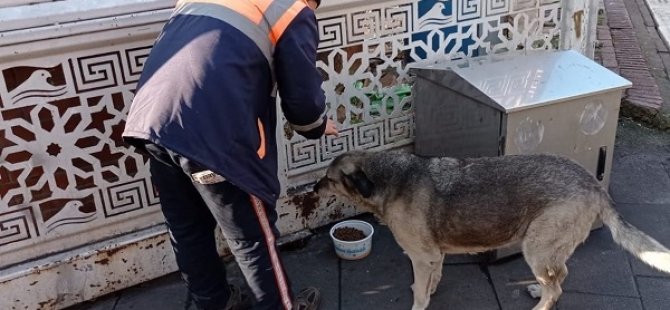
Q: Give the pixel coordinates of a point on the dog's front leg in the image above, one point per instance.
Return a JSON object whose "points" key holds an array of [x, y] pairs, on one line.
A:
{"points": [[422, 274], [424, 266], [436, 275]]}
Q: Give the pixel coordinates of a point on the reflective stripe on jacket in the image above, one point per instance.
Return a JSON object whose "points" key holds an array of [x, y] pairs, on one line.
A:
{"points": [[207, 90]]}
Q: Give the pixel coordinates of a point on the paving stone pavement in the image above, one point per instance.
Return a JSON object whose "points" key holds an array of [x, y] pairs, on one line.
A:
{"points": [[633, 42]]}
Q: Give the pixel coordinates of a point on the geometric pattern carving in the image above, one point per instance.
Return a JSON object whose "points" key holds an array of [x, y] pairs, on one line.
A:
{"points": [[497, 7], [133, 62], [17, 225], [469, 9], [357, 26], [106, 70], [128, 197], [96, 71], [63, 164], [332, 31], [366, 52]]}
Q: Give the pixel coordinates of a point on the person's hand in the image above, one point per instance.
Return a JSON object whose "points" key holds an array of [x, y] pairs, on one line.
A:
{"points": [[331, 128]]}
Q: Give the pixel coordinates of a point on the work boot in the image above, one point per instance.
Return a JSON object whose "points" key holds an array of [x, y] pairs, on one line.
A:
{"points": [[307, 299], [238, 300]]}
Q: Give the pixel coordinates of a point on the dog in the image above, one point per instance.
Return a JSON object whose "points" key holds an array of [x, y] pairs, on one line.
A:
{"points": [[438, 206]]}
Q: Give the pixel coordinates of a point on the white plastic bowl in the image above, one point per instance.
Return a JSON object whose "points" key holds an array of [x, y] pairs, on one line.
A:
{"points": [[353, 250]]}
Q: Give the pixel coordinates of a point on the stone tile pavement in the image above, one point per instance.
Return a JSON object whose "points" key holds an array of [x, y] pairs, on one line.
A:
{"points": [[633, 42]]}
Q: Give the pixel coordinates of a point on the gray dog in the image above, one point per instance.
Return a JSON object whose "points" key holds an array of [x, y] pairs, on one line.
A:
{"points": [[438, 206]]}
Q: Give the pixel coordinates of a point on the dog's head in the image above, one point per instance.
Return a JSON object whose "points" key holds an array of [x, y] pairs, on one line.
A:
{"points": [[345, 177]]}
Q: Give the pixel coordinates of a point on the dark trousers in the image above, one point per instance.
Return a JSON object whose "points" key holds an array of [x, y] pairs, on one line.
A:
{"points": [[192, 212]]}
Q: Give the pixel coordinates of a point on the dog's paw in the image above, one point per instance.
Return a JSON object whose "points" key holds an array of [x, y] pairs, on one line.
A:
{"points": [[535, 290]]}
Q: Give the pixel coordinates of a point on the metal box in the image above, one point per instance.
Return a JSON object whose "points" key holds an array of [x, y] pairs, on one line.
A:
{"points": [[550, 102]]}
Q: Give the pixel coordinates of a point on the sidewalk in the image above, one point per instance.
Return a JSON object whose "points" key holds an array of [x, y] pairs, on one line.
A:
{"points": [[602, 276], [634, 43]]}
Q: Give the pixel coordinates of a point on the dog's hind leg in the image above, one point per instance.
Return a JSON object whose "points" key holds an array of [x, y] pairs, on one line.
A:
{"points": [[424, 266], [549, 281], [549, 270], [549, 241]]}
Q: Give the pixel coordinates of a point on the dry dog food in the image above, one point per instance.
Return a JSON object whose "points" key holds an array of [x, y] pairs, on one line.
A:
{"points": [[348, 234]]}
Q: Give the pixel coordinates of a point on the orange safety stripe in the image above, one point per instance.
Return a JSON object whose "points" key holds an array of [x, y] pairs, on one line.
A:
{"points": [[255, 10], [280, 26], [262, 5], [261, 148], [244, 8]]}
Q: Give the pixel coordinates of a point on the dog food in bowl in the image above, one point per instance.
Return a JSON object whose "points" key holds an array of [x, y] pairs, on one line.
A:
{"points": [[352, 239], [348, 234]]}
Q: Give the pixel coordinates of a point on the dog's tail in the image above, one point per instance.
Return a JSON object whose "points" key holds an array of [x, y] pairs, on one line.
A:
{"points": [[635, 241]]}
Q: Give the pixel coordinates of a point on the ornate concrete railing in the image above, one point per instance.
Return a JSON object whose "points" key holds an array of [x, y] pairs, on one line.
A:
{"points": [[78, 214]]}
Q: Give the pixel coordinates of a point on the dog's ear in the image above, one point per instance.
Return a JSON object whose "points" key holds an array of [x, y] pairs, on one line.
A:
{"points": [[360, 182]]}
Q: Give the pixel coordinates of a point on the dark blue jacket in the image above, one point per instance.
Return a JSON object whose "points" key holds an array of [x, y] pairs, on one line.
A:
{"points": [[207, 90]]}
